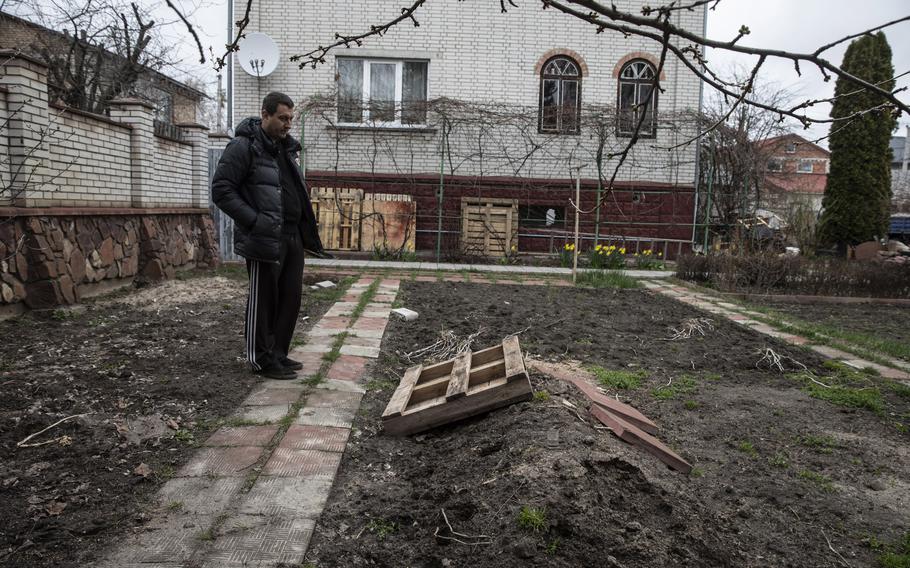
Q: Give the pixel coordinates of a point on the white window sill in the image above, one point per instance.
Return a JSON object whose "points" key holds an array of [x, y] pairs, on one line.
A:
{"points": [[380, 128]]}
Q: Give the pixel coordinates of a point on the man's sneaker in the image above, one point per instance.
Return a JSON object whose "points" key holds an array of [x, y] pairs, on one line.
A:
{"points": [[321, 253], [277, 372], [289, 363]]}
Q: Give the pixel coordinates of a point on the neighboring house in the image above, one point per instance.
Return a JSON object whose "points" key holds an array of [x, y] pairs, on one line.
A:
{"points": [[174, 101], [796, 174], [900, 173], [478, 118]]}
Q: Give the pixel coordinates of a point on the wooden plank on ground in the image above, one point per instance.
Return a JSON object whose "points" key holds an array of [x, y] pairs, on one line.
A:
{"points": [[402, 394], [461, 371], [580, 378], [511, 353], [640, 438], [483, 401]]}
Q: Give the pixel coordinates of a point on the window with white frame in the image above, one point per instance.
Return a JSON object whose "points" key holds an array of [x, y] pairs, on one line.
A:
{"points": [[637, 99], [804, 167], [790, 148], [381, 92]]}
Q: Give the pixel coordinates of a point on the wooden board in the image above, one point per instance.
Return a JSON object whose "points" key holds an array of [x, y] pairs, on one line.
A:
{"points": [[469, 384], [638, 437], [489, 226], [338, 213]]}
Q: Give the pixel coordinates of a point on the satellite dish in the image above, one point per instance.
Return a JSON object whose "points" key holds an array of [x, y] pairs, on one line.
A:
{"points": [[258, 54]]}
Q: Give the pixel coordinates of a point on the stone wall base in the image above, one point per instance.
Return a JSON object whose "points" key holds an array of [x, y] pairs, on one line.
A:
{"points": [[49, 259]]}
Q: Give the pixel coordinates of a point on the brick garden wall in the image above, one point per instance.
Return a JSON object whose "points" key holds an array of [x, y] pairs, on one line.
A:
{"points": [[90, 202]]}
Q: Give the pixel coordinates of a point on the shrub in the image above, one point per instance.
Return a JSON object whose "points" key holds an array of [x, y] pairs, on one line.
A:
{"points": [[773, 274]]}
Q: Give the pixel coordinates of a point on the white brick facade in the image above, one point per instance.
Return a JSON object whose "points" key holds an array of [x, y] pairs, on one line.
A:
{"points": [[478, 55]]}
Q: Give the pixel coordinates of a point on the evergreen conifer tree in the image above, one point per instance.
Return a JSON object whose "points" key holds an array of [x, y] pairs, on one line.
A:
{"points": [[858, 194]]}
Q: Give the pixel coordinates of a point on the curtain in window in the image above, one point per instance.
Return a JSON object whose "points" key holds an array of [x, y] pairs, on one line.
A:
{"points": [[382, 92], [414, 92], [560, 96], [350, 90], [636, 100]]}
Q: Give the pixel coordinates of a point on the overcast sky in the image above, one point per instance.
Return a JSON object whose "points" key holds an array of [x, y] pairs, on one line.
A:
{"points": [[792, 25]]}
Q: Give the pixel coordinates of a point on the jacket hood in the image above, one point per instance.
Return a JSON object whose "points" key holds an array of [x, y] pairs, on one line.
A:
{"points": [[252, 128]]}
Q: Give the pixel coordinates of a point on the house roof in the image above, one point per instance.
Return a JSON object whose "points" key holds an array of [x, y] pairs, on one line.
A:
{"points": [[195, 93], [779, 140], [797, 183]]}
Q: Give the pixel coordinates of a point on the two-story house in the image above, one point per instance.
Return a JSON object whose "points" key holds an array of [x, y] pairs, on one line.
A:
{"points": [[796, 174], [482, 121]]}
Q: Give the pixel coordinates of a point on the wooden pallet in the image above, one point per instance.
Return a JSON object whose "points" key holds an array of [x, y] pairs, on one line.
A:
{"points": [[470, 384]]}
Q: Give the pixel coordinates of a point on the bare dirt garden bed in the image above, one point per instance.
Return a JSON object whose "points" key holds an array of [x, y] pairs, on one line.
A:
{"points": [[139, 377], [781, 478]]}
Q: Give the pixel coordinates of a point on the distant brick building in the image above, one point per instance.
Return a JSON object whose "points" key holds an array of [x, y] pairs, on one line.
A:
{"points": [[796, 173], [900, 173], [174, 102], [477, 113]]}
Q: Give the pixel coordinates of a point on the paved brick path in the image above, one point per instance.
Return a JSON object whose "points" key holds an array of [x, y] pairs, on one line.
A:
{"points": [[251, 496], [896, 370]]}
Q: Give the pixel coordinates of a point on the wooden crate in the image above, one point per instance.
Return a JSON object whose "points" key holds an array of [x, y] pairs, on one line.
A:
{"points": [[489, 226], [338, 216], [470, 384]]}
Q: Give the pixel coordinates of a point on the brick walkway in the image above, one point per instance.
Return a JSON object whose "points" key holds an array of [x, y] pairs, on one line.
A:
{"points": [[251, 496], [739, 314]]}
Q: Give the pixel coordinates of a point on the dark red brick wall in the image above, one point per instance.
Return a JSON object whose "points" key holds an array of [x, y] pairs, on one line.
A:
{"points": [[645, 210]]}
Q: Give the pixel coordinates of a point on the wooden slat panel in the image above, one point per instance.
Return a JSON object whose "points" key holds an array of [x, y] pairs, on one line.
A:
{"points": [[429, 389], [511, 353], [490, 371], [487, 355], [399, 400], [437, 414], [458, 385], [435, 371]]}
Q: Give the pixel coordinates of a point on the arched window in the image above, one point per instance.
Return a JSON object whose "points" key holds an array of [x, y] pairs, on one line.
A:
{"points": [[560, 95], [637, 99]]}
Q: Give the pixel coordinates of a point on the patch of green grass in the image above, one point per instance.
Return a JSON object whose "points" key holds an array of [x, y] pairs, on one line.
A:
{"points": [[747, 448], [823, 482], [900, 389], [779, 461], [541, 396], [896, 555], [166, 472], [64, 314], [297, 341], [824, 444], [863, 344], [691, 404], [531, 519], [712, 376], [624, 380], [207, 535], [604, 279], [175, 506], [185, 436], [381, 384], [365, 299], [382, 528], [846, 387], [314, 380], [552, 546], [697, 472], [869, 398], [683, 385], [236, 422]]}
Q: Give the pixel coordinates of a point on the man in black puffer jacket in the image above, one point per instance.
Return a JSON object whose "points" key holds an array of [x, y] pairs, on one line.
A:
{"points": [[258, 185]]}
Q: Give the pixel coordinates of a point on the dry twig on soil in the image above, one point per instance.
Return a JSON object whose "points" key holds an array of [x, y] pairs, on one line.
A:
{"points": [[774, 360], [690, 327], [446, 347], [475, 539], [842, 559], [64, 440]]}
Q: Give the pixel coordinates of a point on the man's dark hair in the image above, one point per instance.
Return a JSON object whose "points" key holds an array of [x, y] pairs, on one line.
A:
{"points": [[272, 100]]}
